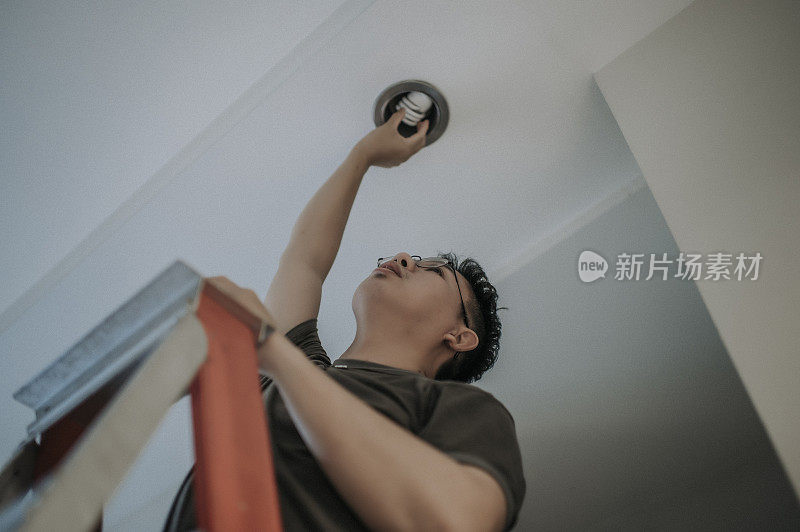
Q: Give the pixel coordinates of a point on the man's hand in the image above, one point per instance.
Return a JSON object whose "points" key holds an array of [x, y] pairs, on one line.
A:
{"points": [[386, 147], [243, 296]]}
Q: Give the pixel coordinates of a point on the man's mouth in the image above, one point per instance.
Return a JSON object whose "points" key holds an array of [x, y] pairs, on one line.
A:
{"points": [[387, 270]]}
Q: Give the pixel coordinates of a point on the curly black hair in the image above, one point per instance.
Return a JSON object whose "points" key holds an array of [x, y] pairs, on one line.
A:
{"points": [[469, 366]]}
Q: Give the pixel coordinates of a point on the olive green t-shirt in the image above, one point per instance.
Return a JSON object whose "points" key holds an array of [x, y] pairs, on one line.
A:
{"points": [[462, 420]]}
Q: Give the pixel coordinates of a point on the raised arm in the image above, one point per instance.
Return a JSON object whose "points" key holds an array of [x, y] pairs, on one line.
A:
{"points": [[295, 292]]}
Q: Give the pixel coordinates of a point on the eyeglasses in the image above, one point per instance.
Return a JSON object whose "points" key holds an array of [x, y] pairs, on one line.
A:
{"points": [[435, 262]]}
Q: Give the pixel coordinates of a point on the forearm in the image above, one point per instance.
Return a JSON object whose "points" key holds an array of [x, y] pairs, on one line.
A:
{"points": [[391, 478], [317, 234]]}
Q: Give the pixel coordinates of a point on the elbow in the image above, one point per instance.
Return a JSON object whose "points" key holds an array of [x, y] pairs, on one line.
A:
{"points": [[465, 524], [442, 523], [450, 523], [422, 514], [455, 519], [466, 519]]}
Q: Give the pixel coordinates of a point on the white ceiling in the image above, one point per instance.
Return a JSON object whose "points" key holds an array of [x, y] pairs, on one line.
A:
{"points": [[101, 100], [97, 97], [136, 135]]}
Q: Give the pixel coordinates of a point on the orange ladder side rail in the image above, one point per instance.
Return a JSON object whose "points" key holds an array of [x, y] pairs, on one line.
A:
{"points": [[235, 484]]}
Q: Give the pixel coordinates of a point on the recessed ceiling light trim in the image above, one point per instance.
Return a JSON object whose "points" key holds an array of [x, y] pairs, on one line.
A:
{"points": [[387, 102]]}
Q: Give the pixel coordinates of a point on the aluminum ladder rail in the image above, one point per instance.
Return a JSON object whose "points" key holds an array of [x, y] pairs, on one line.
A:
{"points": [[98, 404]]}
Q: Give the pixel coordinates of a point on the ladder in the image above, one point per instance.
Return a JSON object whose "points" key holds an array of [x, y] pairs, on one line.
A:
{"points": [[98, 404]]}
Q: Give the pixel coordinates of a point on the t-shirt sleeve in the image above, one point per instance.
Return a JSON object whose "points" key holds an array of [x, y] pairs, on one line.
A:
{"points": [[473, 427], [305, 336]]}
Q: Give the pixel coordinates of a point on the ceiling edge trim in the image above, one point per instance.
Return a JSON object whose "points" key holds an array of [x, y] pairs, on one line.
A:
{"points": [[542, 244], [218, 128]]}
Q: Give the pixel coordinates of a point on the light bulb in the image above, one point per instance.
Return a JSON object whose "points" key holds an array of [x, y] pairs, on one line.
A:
{"points": [[416, 105]]}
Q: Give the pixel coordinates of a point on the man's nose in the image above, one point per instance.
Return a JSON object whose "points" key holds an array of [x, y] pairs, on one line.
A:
{"points": [[405, 260]]}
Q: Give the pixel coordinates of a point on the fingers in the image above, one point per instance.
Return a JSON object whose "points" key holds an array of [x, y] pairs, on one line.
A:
{"points": [[246, 297], [399, 114], [419, 136], [219, 280]]}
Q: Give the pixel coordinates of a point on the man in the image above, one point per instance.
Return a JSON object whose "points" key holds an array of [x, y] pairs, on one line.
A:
{"points": [[391, 436]]}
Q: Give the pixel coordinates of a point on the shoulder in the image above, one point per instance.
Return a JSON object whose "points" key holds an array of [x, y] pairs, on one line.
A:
{"points": [[305, 335], [475, 428], [470, 396], [302, 329]]}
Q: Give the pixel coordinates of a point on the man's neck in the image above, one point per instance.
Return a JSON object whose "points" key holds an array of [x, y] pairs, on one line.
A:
{"points": [[392, 354]]}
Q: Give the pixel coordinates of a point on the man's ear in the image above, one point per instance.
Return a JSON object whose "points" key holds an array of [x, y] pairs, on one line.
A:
{"points": [[463, 339]]}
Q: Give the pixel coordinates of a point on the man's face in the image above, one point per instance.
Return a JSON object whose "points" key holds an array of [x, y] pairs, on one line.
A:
{"points": [[418, 296]]}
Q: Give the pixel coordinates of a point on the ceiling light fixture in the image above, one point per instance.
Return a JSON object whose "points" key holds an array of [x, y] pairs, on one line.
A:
{"points": [[421, 100]]}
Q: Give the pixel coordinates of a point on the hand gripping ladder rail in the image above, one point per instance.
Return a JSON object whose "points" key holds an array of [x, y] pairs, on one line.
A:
{"points": [[97, 405]]}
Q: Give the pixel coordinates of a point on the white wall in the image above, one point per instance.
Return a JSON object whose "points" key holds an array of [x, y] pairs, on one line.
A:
{"points": [[627, 406], [744, 498], [710, 106]]}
